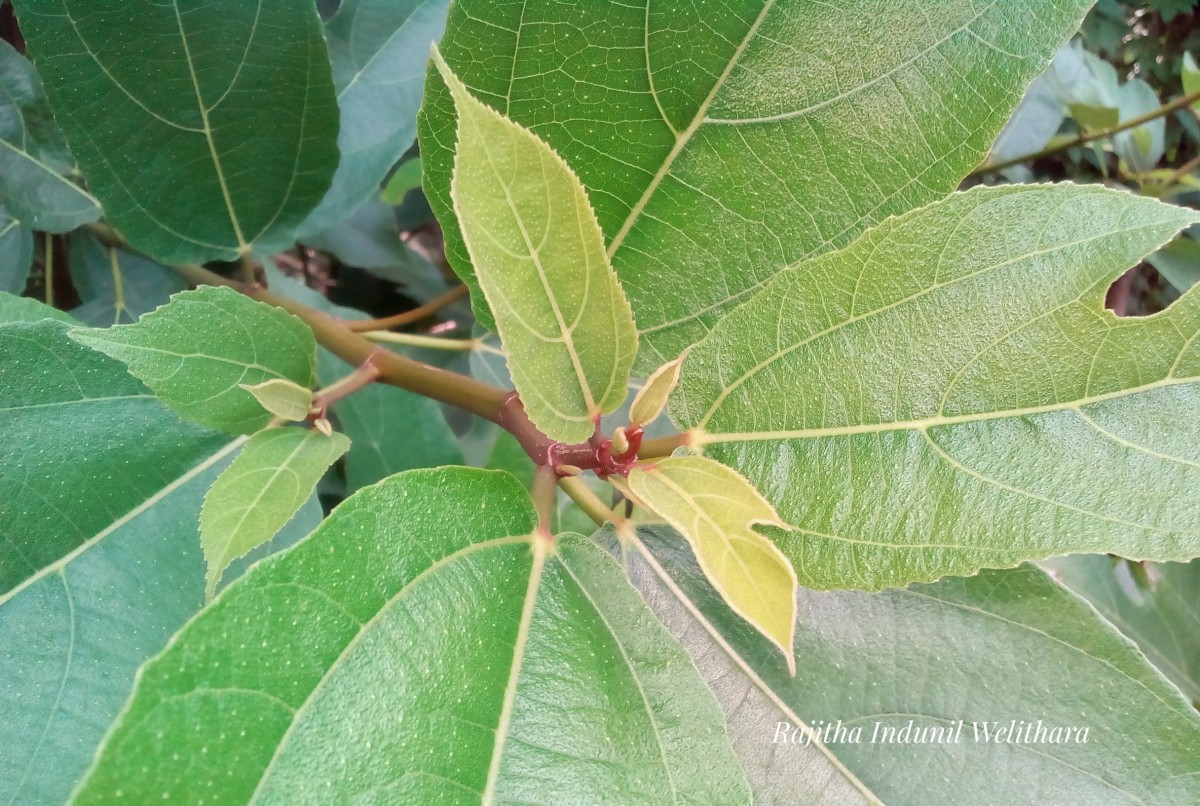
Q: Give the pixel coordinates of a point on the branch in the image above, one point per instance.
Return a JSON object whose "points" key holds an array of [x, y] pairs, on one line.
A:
{"points": [[408, 317], [1085, 138], [588, 501]]}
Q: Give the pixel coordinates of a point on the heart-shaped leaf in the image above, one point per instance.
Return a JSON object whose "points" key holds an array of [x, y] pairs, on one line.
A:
{"points": [[226, 106], [933, 694], [423, 646], [949, 394], [721, 143]]}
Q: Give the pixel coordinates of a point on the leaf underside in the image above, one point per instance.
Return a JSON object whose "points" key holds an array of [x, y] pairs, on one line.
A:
{"points": [[567, 329], [957, 396], [689, 124]]}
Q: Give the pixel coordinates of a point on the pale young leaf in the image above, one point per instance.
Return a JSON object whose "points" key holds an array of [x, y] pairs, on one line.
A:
{"points": [[651, 399], [562, 316], [715, 508], [260, 491], [283, 398]]}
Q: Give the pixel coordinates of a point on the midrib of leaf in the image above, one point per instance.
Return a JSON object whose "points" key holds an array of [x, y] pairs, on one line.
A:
{"points": [[540, 549], [365, 628], [207, 130], [744, 666], [66, 559], [681, 140], [80, 401], [204, 357], [779, 353], [568, 339], [701, 437]]}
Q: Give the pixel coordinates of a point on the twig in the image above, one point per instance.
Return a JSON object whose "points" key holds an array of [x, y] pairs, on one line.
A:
{"points": [[1088, 137], [408, 317], [415, 340], [48, 266], [588, 501], [542, 493]]}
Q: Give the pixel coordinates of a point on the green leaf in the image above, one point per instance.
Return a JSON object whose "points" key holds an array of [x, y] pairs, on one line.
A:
{"points": [[406, 177], [283, 398], [34, 161], [566, 327], [260, 491], [721, 143], [76, 421], [1000, 647], [948, 393], [651, 399], [379, 50], [75, 634], [116, 288], [1142, 146], [203, 128], [494, 670], [100, 558], [1178, 262], [197, 351], [715, 508], [23, 309], [16, 254], [1160, 614], [1189, 75], [1095, 118]]}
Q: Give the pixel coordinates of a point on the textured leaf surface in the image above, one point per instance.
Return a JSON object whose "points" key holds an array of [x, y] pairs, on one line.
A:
{"points": [[378, 50], [231, 102], [948, 393], [999, 647], [330, 697], [715, 509], [74, 420], [34, 161], [195, 353], [560, 312], [1160, 613], [72, 638], [262, 489], [16, 253], [722, 142]]}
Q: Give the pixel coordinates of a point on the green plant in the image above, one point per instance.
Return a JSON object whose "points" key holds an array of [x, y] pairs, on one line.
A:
{"points": [[810, 580]]}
